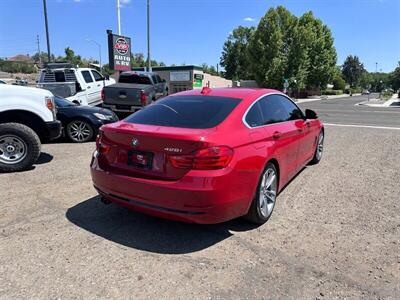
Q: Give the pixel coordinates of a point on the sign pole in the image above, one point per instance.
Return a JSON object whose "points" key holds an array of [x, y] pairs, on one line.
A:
{"points": [[119, 17]]}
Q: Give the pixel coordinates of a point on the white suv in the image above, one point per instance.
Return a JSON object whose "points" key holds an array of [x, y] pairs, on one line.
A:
{"points": [[26, 116]]}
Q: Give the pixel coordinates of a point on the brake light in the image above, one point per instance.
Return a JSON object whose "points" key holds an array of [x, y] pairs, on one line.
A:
{"points": [[102, 94], [102, 147], [143, 98], [205, 159]]}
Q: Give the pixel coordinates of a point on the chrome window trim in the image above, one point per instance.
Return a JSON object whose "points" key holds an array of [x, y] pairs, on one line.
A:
{"points": [[258, 99]]}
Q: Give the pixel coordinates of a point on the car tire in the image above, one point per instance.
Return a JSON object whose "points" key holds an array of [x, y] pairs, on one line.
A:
{"points": [[318, 149], [79, 131], [263, 204], [19, 147]]}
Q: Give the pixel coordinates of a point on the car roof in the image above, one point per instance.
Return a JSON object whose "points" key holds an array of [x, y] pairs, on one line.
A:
{"points": [[241, 93]]}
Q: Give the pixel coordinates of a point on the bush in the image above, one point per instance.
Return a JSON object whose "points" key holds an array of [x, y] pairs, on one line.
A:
{"points": [[339, 83], [332, 92], [353, 91]]}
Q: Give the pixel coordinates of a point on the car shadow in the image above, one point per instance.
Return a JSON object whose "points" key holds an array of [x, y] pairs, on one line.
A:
{"points": [[44, 158], [147, 233]]}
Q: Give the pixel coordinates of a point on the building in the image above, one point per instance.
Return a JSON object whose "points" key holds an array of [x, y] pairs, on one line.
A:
{"points": [[183, 78]]}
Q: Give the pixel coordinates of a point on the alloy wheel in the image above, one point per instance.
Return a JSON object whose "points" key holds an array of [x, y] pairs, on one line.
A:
{"points": [[320, 146], [268, 191], [79, 131]]}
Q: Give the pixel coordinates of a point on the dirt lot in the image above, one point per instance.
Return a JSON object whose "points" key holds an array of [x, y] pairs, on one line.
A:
{"points": [[335, 233]]}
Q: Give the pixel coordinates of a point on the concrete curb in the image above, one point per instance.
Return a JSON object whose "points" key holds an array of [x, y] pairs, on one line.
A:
{"points": [[387, 103]]}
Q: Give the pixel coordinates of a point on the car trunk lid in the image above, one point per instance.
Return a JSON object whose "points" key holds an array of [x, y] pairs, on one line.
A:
{"points": [[143, 150]]}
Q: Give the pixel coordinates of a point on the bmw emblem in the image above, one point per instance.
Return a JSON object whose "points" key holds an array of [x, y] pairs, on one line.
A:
{"points": [[135, 142]]}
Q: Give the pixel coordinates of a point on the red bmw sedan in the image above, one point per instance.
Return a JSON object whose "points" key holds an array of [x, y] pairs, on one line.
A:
{"points": [[207, 156]]}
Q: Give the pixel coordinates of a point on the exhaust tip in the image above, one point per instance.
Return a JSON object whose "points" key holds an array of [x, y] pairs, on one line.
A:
{"points": [[104, 200]]}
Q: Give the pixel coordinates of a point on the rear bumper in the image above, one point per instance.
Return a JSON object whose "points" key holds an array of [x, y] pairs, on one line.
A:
{"points": [[122, 108], [191, 199], [52, 130]]}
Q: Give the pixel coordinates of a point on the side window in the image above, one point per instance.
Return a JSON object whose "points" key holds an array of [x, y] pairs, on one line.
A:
{"points": [[273, 110], [293, 111], [97, 76], [154, 78], [86, 75], [254, 117], [158, 78]]}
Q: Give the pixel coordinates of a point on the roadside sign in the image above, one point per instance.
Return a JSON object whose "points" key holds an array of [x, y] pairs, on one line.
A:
{"points": [[286, 84], [179, 76], [119, 52]]}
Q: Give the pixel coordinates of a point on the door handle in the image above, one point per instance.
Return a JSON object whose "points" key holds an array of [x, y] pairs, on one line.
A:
{"points": [[98, 85], [277, 135], [88, 87]]}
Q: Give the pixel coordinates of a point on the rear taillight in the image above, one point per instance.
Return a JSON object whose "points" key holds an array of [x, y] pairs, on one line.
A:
{"points": [[205, 159], [102, 147], [143, 98], [102, 94]]}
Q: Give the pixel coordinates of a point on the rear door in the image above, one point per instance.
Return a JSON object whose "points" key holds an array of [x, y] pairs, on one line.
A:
{"points": [[157, 86], [284, 132]]}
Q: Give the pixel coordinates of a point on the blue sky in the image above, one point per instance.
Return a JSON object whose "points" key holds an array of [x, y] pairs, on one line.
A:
{"points": [[193, 31]]}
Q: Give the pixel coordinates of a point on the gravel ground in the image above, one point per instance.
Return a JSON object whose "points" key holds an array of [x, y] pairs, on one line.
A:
{"points": [[335, 234]]}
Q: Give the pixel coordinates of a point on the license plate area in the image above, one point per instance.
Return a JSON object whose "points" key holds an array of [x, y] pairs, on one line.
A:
{"points": [[140, 159]]}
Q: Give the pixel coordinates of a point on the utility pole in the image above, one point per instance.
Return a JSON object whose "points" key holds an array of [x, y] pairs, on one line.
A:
{"points": [[148, 37], [119, 17], [47, 31], [38, 48], [376, 67]]}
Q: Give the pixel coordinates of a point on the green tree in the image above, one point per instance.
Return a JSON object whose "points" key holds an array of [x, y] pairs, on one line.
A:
{"points": [[70, 57], [394, 79], [235, 58], [269, 47], [321, 53], [338, 81], [298, 49], [42, 57], [352, 70], [209, 69]]}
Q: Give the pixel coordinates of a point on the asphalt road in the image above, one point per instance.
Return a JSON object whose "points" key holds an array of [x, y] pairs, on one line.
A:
{"points": [[344, 111], [334, 234]]}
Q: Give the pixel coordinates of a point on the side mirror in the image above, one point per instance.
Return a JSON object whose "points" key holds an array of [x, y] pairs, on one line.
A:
{"points": [[163, 80], [310, 114], [107, 77]]}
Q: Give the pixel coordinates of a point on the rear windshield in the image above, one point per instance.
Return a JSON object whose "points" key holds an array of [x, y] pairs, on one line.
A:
{"points": [[186, 112], [134, 78]]}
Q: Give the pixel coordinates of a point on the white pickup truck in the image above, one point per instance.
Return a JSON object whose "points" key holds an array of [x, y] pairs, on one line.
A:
{"points": [[26, 116], [79, 85]]}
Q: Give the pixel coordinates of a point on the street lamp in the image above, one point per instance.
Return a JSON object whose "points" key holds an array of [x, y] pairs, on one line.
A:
{"points": [[98, 45]]}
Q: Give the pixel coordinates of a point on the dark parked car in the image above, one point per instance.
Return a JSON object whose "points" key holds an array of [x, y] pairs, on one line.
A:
{"points": [[81, 123]]}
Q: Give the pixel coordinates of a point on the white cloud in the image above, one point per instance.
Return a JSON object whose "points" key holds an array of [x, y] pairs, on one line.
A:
{"points": [[249, 19]]}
